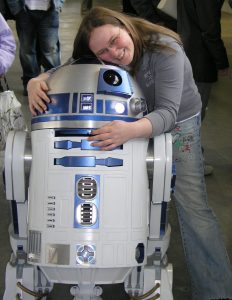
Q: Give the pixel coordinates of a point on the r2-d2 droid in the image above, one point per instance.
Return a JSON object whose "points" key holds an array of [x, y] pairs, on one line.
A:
{"points": [[86, 216]]}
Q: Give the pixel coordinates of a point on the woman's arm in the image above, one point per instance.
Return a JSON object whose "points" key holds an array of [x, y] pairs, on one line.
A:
{"points": [[37, 93], [117, 133], [161, 79], [37, 90]]}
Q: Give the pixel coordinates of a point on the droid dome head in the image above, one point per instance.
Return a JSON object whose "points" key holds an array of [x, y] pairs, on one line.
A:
{"points": [[87, 94]]}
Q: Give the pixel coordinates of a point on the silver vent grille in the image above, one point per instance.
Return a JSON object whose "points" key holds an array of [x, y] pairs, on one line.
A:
{"points": [[87, 188], [86, 214], [34, 246]]}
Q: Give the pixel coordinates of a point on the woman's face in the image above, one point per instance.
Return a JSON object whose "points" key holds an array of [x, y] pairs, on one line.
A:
{"points": [[112, 43]]}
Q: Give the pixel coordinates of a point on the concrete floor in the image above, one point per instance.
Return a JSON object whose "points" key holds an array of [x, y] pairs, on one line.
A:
{"points": [[216, 136]]}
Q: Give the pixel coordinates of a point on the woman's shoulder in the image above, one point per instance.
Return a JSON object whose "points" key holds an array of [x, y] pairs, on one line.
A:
{"points": [[171, 54], [170, 41]]}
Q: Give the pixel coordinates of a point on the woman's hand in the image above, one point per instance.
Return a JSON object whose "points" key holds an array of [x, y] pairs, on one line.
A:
{"points": [[117, 133], [37, 94], [111, 135]]}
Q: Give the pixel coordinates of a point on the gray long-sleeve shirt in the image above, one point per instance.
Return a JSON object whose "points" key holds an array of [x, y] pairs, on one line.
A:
{"points": [[167, 83]]}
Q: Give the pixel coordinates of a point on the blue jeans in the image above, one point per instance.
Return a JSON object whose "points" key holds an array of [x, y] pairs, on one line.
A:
{"points": [[39, 41], [206, 256]]}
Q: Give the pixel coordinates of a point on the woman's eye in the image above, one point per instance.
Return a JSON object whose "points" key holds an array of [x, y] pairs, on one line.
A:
{"points": [[102, 52], [113, 41]]}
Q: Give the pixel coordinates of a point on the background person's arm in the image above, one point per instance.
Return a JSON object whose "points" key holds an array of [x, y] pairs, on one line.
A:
{"points": [[7, 46]]}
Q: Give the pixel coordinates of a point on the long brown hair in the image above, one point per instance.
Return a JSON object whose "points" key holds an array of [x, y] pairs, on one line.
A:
{"points": [[145, 35]]}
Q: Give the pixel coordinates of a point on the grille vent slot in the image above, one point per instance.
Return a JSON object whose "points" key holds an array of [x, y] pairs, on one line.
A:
{"points": [[34, 246], [87, 188], [86, 214]]}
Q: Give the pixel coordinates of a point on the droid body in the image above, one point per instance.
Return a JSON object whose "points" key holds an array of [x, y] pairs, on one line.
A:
{"points": [[89, 211]]}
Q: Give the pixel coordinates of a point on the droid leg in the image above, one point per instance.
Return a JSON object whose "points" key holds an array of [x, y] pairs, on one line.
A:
{"points": [[23, 281], [86, 292], [158, 270], [158, 282], [154, 281], [150, 282]]}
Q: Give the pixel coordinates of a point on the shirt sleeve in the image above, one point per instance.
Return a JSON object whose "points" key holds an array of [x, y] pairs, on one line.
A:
{"points": [[168, 73], [7, 46]]}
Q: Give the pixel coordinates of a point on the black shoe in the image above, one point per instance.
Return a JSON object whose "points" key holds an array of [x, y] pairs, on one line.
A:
{"points": [[208, 170]]}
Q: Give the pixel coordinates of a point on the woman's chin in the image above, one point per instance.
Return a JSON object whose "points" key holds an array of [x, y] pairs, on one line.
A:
{"points": [[126, 60]]}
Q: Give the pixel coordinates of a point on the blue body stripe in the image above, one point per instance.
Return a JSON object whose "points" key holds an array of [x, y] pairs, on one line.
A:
{"points": [[80, 118]]}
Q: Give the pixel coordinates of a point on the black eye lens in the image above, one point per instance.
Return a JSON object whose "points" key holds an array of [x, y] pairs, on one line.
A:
{"points": [[112, 78]]}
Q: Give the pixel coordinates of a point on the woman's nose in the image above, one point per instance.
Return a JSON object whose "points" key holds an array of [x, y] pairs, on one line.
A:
{"points": [[113, 51]]}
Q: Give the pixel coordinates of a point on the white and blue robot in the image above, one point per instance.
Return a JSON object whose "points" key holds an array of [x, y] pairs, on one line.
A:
{"points": [[82, 216]]}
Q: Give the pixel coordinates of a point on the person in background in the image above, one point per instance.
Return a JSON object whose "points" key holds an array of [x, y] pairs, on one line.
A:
{"points": [[156, 57], [37, 25], [7, 47], [86, 5], [127, 8], [147, 9], [199, 25]]}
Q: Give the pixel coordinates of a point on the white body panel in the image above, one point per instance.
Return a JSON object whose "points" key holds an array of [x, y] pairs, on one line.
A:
{"points": [[122, 213]]}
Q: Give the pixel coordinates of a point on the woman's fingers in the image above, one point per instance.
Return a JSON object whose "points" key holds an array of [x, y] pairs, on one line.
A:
{"points": [[37, 96]]}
